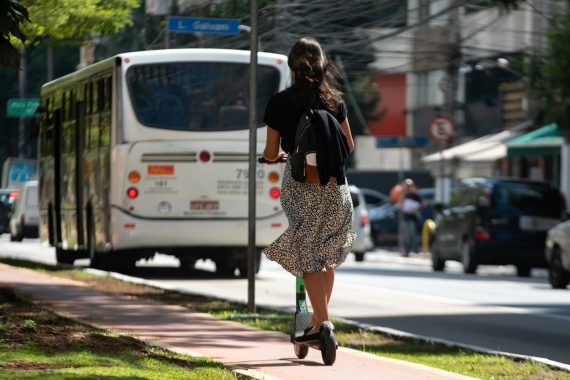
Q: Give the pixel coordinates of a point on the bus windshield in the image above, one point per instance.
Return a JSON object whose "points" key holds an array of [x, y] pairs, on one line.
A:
{"points": [[198, 96]]}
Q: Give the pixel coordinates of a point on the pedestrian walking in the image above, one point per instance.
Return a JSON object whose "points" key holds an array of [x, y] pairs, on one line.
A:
{"points": [[410, 205], [319, 210]]}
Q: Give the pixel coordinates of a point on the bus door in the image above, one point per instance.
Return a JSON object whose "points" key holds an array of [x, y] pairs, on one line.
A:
{"points": [[56, 218], [79, 171]]}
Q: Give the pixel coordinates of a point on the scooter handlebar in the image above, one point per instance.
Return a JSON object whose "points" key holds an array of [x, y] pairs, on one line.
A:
{"points": [[262, 160]]}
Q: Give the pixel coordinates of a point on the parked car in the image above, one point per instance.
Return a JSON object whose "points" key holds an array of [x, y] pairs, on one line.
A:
{"points": [[25, 218], [558, 254], [374, 198], [497, 222], [384, 219], [7, 200], [360, 224]]}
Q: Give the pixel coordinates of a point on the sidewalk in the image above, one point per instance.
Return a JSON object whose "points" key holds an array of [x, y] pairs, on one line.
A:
{"points": [[257, 353]]}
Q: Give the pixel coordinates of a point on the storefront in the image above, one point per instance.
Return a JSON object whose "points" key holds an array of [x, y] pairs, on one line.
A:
{"points": [[536, 154]]}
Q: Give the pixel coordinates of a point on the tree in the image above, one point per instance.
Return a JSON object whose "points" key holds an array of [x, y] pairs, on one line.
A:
{"points": [[12, 14], [548, 76], [76, 21]]}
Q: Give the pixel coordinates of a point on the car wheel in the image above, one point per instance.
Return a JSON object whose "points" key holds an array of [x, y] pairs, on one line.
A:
{"points": [[437, 263], [557, 275], [359, 256], [523, 270], [468, 258]]}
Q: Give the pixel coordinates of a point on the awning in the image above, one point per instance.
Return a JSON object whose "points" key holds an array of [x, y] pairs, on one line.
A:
{"points": [[487, 148], [545, 141]]}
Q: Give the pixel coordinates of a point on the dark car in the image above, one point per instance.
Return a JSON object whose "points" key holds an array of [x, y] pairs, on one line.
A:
{"points": [[384, 219], [497, 222], [7, 200]]}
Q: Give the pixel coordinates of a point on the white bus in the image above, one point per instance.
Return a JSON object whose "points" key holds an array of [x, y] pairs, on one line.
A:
{"points": [[147, 152]]}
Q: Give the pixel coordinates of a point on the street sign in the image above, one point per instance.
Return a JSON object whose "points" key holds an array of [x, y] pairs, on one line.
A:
{"points": [[203, 25], [441, 129], [20, 107], [401, 141]]}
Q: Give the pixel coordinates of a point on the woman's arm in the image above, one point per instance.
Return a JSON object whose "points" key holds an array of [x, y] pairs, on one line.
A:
{"points": [[271, 151], [346, 129]]}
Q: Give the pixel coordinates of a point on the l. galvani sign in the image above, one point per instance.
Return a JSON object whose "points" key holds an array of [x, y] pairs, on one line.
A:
{"points": [[441, 128]]}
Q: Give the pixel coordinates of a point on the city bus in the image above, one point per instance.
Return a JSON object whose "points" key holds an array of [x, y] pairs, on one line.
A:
{"points": [[147, 152]]}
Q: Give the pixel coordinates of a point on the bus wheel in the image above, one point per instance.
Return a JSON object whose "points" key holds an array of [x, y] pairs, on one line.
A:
{"points": [[64, 256], [226, 267], [187, 263], [96, 261], [242, 266]]}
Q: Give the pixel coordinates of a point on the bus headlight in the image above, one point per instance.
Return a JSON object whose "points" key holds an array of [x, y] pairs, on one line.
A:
{"points": [[134, 176], [273, 177], [274, 192], [132, 192]]}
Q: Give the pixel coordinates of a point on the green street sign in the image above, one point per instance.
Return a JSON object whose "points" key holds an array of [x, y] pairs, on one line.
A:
{"points": [[20, 107]]}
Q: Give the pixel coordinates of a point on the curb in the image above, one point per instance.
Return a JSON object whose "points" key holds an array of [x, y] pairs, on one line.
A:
{"points": [[384, 330]]}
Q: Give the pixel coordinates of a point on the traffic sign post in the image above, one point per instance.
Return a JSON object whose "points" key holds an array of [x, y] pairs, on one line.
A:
{"points": [[22, 107], [441, 129]]}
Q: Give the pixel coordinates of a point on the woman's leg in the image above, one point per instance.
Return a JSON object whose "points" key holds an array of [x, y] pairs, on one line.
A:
{"points": [[316, 285], [329, 280]]}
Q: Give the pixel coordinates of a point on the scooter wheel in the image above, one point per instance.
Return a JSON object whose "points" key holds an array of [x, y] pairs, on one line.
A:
{"points": [[301, 350], [328, 346]]}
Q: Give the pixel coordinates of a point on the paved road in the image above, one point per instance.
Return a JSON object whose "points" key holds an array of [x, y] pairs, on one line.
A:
{"points": [[495, 309]]}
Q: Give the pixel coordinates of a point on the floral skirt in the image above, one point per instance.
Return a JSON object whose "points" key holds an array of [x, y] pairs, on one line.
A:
{"points": [[320, 226]]}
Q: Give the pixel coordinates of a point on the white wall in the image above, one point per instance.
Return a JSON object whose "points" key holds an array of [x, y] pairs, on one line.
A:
{"points": [[367, 156]]}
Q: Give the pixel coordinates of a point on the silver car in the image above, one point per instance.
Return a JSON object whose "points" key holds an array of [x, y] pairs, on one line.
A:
{"points": [[558, 255], [360, 224]]}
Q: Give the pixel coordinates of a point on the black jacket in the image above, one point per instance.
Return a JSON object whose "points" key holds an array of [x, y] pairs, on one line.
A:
{"points": [[332, 148]]}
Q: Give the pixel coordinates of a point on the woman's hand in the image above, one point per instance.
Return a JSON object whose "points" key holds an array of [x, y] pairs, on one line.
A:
{"points": [[281, 155]]}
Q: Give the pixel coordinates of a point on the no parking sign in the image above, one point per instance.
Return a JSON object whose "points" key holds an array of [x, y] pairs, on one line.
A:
{"points": [[441, 128]]}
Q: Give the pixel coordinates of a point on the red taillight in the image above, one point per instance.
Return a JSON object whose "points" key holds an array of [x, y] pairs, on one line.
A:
{"points": [[132, 192], [363, 220], [204, 156], [274, 192], [481, 234], [14, 195]]}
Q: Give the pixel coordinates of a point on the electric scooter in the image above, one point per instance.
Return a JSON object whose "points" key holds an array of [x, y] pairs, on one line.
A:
{"points": [[326, 342]]}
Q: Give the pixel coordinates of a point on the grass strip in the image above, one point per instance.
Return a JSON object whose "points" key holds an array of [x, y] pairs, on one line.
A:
{"points": [[453, 359], [38, 344]]}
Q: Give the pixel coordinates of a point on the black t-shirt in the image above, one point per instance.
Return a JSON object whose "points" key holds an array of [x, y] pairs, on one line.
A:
{"points": [[283, 112]]}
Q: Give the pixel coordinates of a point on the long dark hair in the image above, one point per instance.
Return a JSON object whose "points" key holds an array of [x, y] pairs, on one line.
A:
{"points": [[314, 75]]}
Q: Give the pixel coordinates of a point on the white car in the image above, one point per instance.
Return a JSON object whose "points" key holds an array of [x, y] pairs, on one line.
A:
{"points": [[25, 218], [360, 224], [558, 255]]}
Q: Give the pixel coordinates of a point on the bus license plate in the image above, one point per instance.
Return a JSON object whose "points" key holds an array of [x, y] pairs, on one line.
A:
{"points": [[204, 205]]}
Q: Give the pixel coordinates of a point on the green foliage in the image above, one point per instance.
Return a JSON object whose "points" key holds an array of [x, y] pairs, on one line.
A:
{"points": [[547, 73], [29, 324], [12, 14], [507, 5], [76, 21]]}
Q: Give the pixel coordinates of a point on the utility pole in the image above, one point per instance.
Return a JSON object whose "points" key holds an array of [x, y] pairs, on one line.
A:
{"points": [[22, 74], [449, 87], [252, 187]]}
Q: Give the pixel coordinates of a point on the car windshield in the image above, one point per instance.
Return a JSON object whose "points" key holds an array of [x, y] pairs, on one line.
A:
{"points": [[198, 96], [528, 198]]}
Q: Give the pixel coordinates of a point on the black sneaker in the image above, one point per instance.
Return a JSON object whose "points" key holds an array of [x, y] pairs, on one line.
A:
{"points": [[306, 337]]}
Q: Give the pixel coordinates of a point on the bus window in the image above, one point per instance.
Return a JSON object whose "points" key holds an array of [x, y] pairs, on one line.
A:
{"points": [[198, 96]]}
